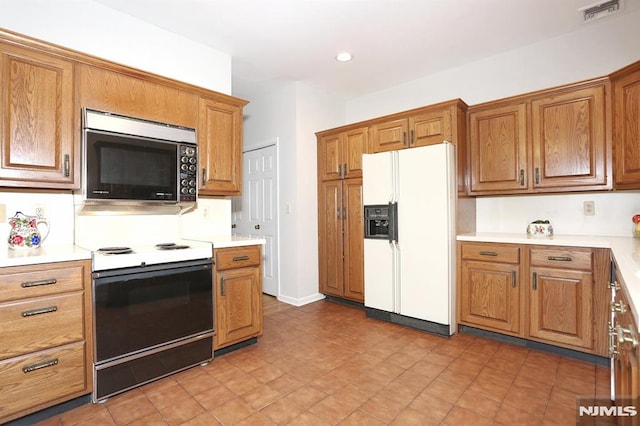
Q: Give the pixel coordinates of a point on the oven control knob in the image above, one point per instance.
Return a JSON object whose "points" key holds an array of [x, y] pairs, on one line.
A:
{"points": [[184, 191], [192, 191], [184, 167]]}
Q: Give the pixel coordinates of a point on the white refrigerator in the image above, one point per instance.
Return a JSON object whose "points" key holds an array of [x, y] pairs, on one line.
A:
{"points": [[411, 280]]}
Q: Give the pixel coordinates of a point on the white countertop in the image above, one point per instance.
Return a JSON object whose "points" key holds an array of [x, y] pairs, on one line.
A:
{"points": [[625, 250], [42, 254], [222, 241]]}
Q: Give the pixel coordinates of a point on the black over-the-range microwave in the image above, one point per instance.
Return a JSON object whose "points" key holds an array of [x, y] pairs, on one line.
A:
{"points": [[129, 160]]}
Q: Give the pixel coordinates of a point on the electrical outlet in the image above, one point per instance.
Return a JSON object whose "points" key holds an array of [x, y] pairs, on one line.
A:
{"points": [[40, 211], [589, 208]]}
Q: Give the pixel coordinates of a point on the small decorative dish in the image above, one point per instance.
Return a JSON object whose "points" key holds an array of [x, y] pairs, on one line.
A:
{"points": [[540, 228]]}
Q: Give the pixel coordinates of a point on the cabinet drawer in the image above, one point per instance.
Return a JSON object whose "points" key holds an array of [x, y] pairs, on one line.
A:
{"points": [[23, 282], [237, 257], [491, 252], [40, 379], [24, 324], [562, 257]]}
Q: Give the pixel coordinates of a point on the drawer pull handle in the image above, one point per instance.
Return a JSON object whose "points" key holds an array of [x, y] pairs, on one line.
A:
{"points": [[240, 258], [27, 284], [33, 312], [618, 307], [513, 279], [67, 167], [627, 335], [521, 177], [560, 258], [223, 286], [534, 285], [38, 365], [488, 253]]}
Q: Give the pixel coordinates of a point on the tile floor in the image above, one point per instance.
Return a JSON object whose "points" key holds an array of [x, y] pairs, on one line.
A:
{"points": [[327, 364]]}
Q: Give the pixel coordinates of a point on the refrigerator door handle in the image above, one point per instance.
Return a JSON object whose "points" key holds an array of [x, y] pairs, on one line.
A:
{"points": [[393, 222]]}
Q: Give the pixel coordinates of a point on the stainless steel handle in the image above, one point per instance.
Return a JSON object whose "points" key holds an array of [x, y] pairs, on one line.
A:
{"points": [[521, 177], [488, 253], [534, 280], [256, 227], [67, 167], [560, 258], [223, 286], [39, 311], [240, 258], [626, 335], [513, 279], [618, 307], [38, 365], [27, 284], [537, 175], [204, 176]]}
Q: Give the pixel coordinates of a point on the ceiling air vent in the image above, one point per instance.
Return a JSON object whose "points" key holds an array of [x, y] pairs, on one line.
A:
{"points": [[600, 10]]}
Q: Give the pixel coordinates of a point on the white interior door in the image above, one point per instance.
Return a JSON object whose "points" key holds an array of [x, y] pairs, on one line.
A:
{"points": [[254, 213]]}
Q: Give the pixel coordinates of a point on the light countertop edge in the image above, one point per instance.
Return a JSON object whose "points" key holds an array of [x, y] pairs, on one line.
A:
{"points": [[42, 254], [225, 241], [625, 251]]}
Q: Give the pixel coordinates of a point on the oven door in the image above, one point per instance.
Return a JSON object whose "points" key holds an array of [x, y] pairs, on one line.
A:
{"points": [[142, 308]]}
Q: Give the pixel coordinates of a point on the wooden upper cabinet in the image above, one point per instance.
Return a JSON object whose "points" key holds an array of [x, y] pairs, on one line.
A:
{"points": [[220, 148], [556, 140], [390, 135], [569, 139], [340, 154], [626, 127], [122, 92], [498, 149], [40, 148]]}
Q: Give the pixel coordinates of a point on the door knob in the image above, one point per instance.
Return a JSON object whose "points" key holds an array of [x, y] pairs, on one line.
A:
{"points": [[257, 227]]}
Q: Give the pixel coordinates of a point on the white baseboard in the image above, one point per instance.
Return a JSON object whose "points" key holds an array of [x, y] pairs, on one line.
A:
{"points": [[303, 301]]}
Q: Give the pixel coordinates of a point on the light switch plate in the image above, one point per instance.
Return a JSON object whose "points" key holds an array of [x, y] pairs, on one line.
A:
{"points": [[3, 213]]}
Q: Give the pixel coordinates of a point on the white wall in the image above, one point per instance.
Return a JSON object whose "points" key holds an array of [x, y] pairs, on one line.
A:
{"points": [[92, 28], [291, 114], [598, 49]]}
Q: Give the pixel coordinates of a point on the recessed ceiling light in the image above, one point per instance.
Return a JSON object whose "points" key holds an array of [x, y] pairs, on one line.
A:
{"points": [[344, 57]]}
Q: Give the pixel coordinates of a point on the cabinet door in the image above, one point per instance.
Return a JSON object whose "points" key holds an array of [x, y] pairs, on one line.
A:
{"points": [[354, 144], [238, 295], [330, 237], [430, 128], [220, 148], [498, 149], [389, 135], [569, 139], [490, 296], [330, 157], [38, 138], [353, 240], [560, 307], [626, 131]]}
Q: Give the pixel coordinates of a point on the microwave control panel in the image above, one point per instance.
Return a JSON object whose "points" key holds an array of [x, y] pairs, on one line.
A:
{"points": [[188, 172]]}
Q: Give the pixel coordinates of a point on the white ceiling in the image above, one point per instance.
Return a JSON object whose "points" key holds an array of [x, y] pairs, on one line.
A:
{"points": [[392, 41]]}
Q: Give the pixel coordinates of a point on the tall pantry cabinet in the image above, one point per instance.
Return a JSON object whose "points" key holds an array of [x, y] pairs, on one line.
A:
{"points": [[340, 222]]}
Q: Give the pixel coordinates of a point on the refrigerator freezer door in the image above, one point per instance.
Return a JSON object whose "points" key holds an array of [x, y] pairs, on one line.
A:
{"points": [[379, 271], [377, 179], [426, 210]]}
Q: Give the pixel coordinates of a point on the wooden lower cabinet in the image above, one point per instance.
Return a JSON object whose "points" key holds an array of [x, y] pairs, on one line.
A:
{"points": [[46, 334], [341, 239], [625, 349], [554, 295], [237, 295], [489, 287]]}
